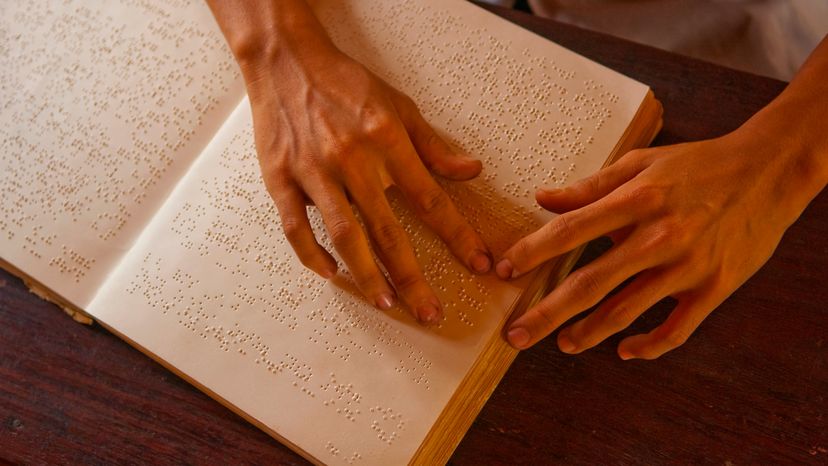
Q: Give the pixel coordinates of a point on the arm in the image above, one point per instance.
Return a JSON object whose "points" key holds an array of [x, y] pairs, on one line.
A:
{"points": [[328, 131], [693, 221]]}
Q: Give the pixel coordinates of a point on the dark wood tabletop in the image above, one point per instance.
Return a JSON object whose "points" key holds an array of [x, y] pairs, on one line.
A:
{"points": [[749, 387]]}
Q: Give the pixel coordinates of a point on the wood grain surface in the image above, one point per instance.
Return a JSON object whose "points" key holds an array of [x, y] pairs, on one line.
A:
{"points": [[749, 386]]}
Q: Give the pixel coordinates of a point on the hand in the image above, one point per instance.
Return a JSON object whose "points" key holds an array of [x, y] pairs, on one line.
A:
{"points": [[693, 221], [331, 133]]}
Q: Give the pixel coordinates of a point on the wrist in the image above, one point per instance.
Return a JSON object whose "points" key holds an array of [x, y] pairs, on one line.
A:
{"points": [[795, 121], [791, 130], [271, 37], [290, 39], [789, 158]]}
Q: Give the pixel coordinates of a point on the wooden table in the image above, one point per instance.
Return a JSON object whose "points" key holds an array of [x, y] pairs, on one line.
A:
{"points": [[749, 387]]}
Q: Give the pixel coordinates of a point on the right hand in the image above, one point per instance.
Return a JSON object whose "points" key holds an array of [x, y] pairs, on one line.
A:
{"points": [[330, 132]]}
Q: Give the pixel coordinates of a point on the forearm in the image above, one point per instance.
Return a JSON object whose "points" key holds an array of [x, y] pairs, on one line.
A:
{"points": [[267, 33]]}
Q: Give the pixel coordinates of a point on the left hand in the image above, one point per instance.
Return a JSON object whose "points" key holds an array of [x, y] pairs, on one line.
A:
{"points": [[693, 221]]}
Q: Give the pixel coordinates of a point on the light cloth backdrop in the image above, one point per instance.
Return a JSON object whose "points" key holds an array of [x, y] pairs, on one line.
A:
{"points": [[767, 37]]}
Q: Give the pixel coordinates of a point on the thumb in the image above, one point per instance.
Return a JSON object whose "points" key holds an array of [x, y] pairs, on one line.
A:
{"points": [[592, 188]]}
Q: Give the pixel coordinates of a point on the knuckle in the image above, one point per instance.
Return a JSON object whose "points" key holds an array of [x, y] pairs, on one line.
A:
{"points": [[389, 236], [432, 201], [677, 235], [672, 227], [648, 196], [292, 227], [560, 229], [634, 154], [380, 125], [369, 282], [641, 157], [521, 255], [659, 239], [620, 315], [461, 235], [432, 139], [591, 184], [343, 149], [547, 321], [343, 231], [585, 283], [405, 281], [276, 178]]}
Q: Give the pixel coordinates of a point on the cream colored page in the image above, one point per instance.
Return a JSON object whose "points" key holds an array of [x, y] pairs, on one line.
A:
{"points": [[213, 288], [103, 105], [535, 113]]}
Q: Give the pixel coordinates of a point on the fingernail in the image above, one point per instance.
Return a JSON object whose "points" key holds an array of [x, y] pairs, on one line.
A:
{"points": [[428, 314], [625, 355], [327, 274], [565, 344], [463, 155], [504, 269], [518, 337], [385, 301], [480, 262], [551, 191]]}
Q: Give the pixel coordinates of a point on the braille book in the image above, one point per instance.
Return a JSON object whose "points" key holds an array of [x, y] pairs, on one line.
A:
{"points": [[131, 196]]}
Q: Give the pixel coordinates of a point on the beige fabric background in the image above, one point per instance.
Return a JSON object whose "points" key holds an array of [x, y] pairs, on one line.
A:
{"points": [[767, 37]]}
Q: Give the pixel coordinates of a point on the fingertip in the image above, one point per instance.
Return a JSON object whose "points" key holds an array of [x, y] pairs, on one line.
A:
{"points": [[626, 348], [327, 272], [321, 264], [476, 166], [544, 193], [459, 168], [504, 269], [565, 343], [385, 301], [429, 313], [519, 338], [552, 199], [480, 262]]}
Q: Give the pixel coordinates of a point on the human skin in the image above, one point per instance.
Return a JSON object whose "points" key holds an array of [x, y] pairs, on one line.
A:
{"points": [[331, 133], [693, 221]]}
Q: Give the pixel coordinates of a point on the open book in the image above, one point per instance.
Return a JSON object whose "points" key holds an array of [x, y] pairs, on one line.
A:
{"points": [[131, 195]]}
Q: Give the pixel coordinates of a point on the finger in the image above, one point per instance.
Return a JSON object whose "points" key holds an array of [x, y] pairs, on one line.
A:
{"points": [[621, 234], [395, 250], [561, 234], [595, 186], [617, 312], [581, 290], [435, 153], [674, 332], [290, 202], [435, 208], [350, 242]]}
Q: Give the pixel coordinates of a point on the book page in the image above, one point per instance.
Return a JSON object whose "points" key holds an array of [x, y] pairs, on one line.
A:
{"points": [[103, 105], [212, 287]]}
